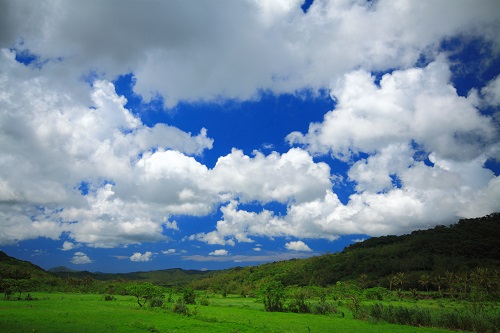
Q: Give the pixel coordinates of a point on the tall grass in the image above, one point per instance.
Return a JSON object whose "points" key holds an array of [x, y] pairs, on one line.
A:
{"points": [[453, 319]]}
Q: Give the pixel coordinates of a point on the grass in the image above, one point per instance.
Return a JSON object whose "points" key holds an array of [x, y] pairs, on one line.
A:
{"points": [[76, 313]]}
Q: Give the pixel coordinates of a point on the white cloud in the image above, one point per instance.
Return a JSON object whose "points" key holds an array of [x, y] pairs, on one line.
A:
{"points": [[358, 240], [298, 246], [52, 141], [272, 47], [220, 252], [265, 257], [290, 176], [137, 256], [169, 251], [80, 258], [68, 246], [56, 131], [417, 104], [257, 249]]}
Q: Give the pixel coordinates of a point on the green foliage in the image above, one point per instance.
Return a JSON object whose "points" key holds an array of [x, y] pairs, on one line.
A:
{"points": [[298, 302], [457, 319], [181, 308], [203, 300], [145, 292], [189, 296], [274, 296], [376, 293]]}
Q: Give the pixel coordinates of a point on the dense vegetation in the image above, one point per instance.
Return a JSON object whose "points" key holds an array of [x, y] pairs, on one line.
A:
{"points": [[458, 249]]}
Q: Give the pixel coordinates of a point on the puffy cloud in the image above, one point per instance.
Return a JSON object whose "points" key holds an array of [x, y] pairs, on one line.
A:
{"points": [[80, 258], [169, 251], [192, 50], [423, 146], [137, 256], [292, 175], [298, 246], [52, 142], [417, 104], [220, 252], [68, 246]]}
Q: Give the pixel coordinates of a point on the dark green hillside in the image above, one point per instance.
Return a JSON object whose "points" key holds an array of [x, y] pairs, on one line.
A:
{"points": [[166, 277], [12, 268], [458, 248]]}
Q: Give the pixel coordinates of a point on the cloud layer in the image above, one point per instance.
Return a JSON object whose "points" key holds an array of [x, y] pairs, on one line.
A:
{"points": [[75, 161], [195, 51]]}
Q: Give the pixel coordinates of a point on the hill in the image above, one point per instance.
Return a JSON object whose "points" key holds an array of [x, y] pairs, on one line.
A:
{"points": [[165, 277], [457, 248], [12, 268]]}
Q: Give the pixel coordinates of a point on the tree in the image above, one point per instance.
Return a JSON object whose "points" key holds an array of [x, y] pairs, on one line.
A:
{"points": [[424, 281], [363, 279], [392, 281], [189, 296], [401, 278], [274, 296], [144, 292], [438, 282]]}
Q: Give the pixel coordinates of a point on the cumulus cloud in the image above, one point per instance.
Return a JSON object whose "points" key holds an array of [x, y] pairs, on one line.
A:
{"points": [[416, 104], [292, 175], [298, 246], [169, 251], [80, 258], [272, 47], [220, 252], [146, 256], [68, 246], [423, 146]]}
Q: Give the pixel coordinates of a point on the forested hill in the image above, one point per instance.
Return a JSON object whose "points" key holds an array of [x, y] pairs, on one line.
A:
{"points": [[12, 268], [165, 277], [458, 248]]}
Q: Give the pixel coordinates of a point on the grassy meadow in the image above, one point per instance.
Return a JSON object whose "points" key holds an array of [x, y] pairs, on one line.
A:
{"points": [[66, 312]]}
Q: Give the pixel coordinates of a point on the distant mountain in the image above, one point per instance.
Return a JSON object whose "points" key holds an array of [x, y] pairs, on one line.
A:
{"points": [[61, 269], [166, 277]]}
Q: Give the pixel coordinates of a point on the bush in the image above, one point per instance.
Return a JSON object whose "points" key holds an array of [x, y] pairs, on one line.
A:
{"points": [[181, 308], [274, 296], [462, 320], [156, 302], [189, 296], [109, 298], [203, 300], [298, 303], [376, 293]]}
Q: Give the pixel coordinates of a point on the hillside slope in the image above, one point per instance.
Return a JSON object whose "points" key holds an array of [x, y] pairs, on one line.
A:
{"points": [[458, 248]]}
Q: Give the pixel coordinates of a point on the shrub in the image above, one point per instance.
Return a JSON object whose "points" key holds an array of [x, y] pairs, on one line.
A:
{"points": [[109, 298], [181, 308], [376, 293], [189, 296], [462, 320], [203, 300], [156, 302], [274, 296], [298, 303]]}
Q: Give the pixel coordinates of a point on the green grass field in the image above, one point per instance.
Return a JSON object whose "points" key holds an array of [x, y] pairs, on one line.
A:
{"points": [[61, 312]]}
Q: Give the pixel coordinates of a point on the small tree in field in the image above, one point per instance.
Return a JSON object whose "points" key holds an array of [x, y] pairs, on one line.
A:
{"points": [[274, 297], [145, 292]]}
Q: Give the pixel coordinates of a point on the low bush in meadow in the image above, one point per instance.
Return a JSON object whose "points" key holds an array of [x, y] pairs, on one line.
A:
{"points": [[461, 319]]}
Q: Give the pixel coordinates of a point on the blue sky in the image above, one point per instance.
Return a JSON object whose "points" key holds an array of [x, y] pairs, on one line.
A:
{"points": [[208, 135]]}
